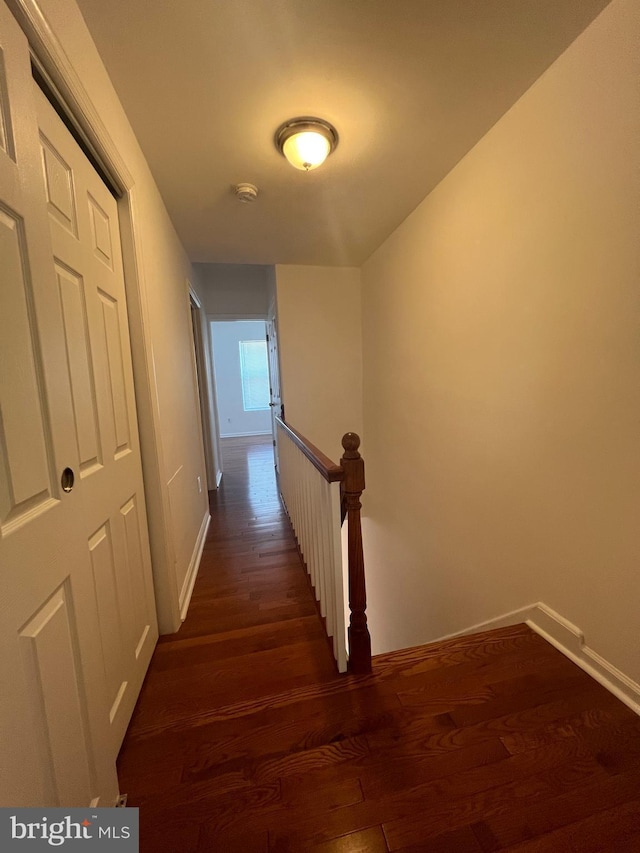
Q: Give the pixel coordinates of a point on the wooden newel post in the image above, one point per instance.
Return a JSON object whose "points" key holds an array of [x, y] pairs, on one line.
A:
{"points": [[353, 486]]}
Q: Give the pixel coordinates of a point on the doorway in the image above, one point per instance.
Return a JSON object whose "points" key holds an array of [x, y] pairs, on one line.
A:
{"points": [[241, 367]]}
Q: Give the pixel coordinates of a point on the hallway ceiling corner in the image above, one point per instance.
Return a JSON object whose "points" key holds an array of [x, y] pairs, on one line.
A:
{"points": [[411, 86]]}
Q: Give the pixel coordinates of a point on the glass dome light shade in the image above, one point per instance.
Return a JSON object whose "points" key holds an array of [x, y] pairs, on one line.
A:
{"points": [[306, 142], [306, 150]]}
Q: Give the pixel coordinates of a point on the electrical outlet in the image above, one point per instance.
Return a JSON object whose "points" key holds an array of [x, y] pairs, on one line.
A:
{"points": [[199, 485]]}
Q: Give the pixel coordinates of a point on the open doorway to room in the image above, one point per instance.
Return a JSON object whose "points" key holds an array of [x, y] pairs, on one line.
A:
{"points": [[241, 368], [242, 378]]}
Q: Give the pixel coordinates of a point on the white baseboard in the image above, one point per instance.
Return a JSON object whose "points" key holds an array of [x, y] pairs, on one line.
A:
{"points": [[245, 434], [515, 617], [192, 571], [569, 640]]}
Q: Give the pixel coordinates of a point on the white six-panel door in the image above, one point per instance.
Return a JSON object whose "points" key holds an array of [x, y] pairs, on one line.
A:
{"points": [[83, 221], [77, 617]]}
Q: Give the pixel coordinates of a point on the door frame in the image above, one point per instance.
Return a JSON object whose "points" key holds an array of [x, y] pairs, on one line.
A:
{"points": [[52, 63], [205, 384], [227, 318]]}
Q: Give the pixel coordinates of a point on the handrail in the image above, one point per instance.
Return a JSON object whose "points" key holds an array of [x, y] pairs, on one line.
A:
{"points": [[350, 475], [331, 472]]}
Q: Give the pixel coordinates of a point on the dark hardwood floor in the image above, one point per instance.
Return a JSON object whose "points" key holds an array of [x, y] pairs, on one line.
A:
{"points": [[245, 739]]}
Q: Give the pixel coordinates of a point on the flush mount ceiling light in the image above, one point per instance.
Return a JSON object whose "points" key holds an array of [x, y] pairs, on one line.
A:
{"points": [[306, 142]]}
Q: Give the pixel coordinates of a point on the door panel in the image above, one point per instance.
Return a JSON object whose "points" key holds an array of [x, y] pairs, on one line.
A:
{"points": [[6, 136], [101, 233], [25, 444], [50, 653], [116, 388], [135, 578], [59, 187], [76, 333], [106, 594]]}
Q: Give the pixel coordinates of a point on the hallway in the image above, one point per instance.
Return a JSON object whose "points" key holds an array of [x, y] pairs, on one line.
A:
{"points": [[245, 740], [252, 631]]}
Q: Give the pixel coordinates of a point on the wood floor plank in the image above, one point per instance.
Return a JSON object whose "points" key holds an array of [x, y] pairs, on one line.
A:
{"points": [[212, 841], [246, 740], [236, 643], [530, 820], [462, 840], [613, 830], [366, 841], [455, 809], [520, 741], [391, 772]]}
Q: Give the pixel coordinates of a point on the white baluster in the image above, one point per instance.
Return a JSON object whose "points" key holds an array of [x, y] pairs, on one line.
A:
{"points": [[313, 506]]}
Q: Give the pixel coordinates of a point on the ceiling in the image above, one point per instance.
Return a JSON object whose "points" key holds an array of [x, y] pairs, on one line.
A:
{"points": [[410, 85]]}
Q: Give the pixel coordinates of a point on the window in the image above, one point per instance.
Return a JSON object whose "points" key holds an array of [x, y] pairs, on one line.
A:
{"points": [[254, 372]]}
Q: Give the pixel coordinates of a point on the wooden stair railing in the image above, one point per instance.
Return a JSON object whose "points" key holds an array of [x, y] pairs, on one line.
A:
{"points": [[350, 475], [330, 471]]}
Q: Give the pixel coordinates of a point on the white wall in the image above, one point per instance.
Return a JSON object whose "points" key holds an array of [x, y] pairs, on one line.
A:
{"points": [[232, 417], [170, 427], [320, 349], [235, 290], [502, 365]]}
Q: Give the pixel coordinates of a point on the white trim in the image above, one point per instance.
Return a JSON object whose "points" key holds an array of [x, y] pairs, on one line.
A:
{"points": [[148, 410], [569, 640], [194, 296], [212, 390], [245, 434], [200, 384], [515, 617], [192, 572], [234, 318]]}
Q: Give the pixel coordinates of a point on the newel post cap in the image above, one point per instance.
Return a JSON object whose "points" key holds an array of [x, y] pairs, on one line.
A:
{"points": [[350, 444], [352, 463]]}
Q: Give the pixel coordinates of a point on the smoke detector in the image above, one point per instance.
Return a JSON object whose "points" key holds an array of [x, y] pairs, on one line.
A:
{"points": [[246, 193]]}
